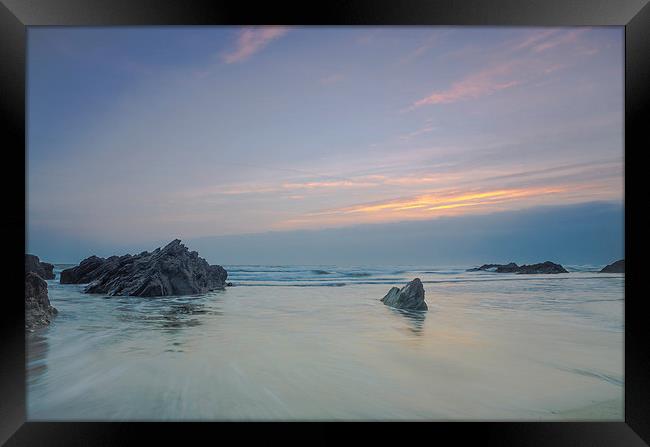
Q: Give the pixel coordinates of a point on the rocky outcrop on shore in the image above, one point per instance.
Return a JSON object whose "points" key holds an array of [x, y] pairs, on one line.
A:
{"points": [[615, 267], [43, 269], [547, 267], [410, 297], [38, 310], [171, 270]]}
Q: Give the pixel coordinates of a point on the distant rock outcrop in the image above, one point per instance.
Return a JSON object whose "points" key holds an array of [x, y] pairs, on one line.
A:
{"points": [[42, 269], [410, 297], [499, 268], [38, 311], [615, 267], [547, 267], [172, 270]]}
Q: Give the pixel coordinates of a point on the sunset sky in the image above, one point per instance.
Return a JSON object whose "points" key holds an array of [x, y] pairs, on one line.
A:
{"points": [[147, 134]]}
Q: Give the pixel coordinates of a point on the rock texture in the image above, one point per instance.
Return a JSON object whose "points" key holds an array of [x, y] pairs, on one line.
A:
{"points": [[172, 270], [38, 311], [411, 296], [547, 267], [42, 269], [615, 267], [542, 268], [85, 272]]}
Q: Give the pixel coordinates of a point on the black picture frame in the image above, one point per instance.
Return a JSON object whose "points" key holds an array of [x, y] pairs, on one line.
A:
{"points": [[17, 15]]}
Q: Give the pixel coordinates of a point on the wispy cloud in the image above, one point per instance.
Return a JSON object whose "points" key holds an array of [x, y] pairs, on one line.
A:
{"points": [[542, 40], [535, 38], [442, 200], [426, 206], [516, 63], [251, 40], [484, 82], [564, 38], [427, 128], [424, 46], [426, 196], [286, 187], [330, 184]]}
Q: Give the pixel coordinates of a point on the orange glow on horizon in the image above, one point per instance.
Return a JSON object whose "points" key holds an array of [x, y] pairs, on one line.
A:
{"points": [[433, 202], [422, 207]]}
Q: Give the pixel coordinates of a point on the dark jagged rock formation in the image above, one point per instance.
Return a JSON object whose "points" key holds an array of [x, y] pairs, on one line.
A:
{"points": [[172, 270], [42, 269], [542, 268], [411, 296], [547, 267], [38, 311], [615, 267], [85, 272]]}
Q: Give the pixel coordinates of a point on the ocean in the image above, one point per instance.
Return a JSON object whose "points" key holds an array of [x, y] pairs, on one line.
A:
{"points": [[316, 343]]}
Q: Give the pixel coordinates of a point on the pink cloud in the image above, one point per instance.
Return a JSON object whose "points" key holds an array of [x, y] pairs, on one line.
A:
{"points": [[251, 40], [425, 46], [512, 72], [542, 40], [535, 38], [484, 82], [330, 184], [428, 127], [569, 37]]}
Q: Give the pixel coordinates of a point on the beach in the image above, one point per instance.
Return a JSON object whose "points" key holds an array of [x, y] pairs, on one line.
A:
{"points": [[316, 343]]}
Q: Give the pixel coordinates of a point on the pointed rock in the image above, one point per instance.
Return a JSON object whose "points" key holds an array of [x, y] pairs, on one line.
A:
{"points": [[411, 296], [615, 267]]}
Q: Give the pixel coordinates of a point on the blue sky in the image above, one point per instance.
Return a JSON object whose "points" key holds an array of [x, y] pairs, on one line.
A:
{"points": [[138, 135]]}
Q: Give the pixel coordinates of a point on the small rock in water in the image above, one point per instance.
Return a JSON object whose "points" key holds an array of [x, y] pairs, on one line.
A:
{"points": [[411, 296], [615, 267]]}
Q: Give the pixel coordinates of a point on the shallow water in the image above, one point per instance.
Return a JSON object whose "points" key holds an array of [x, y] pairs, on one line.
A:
{"points": [[315, 342]]}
